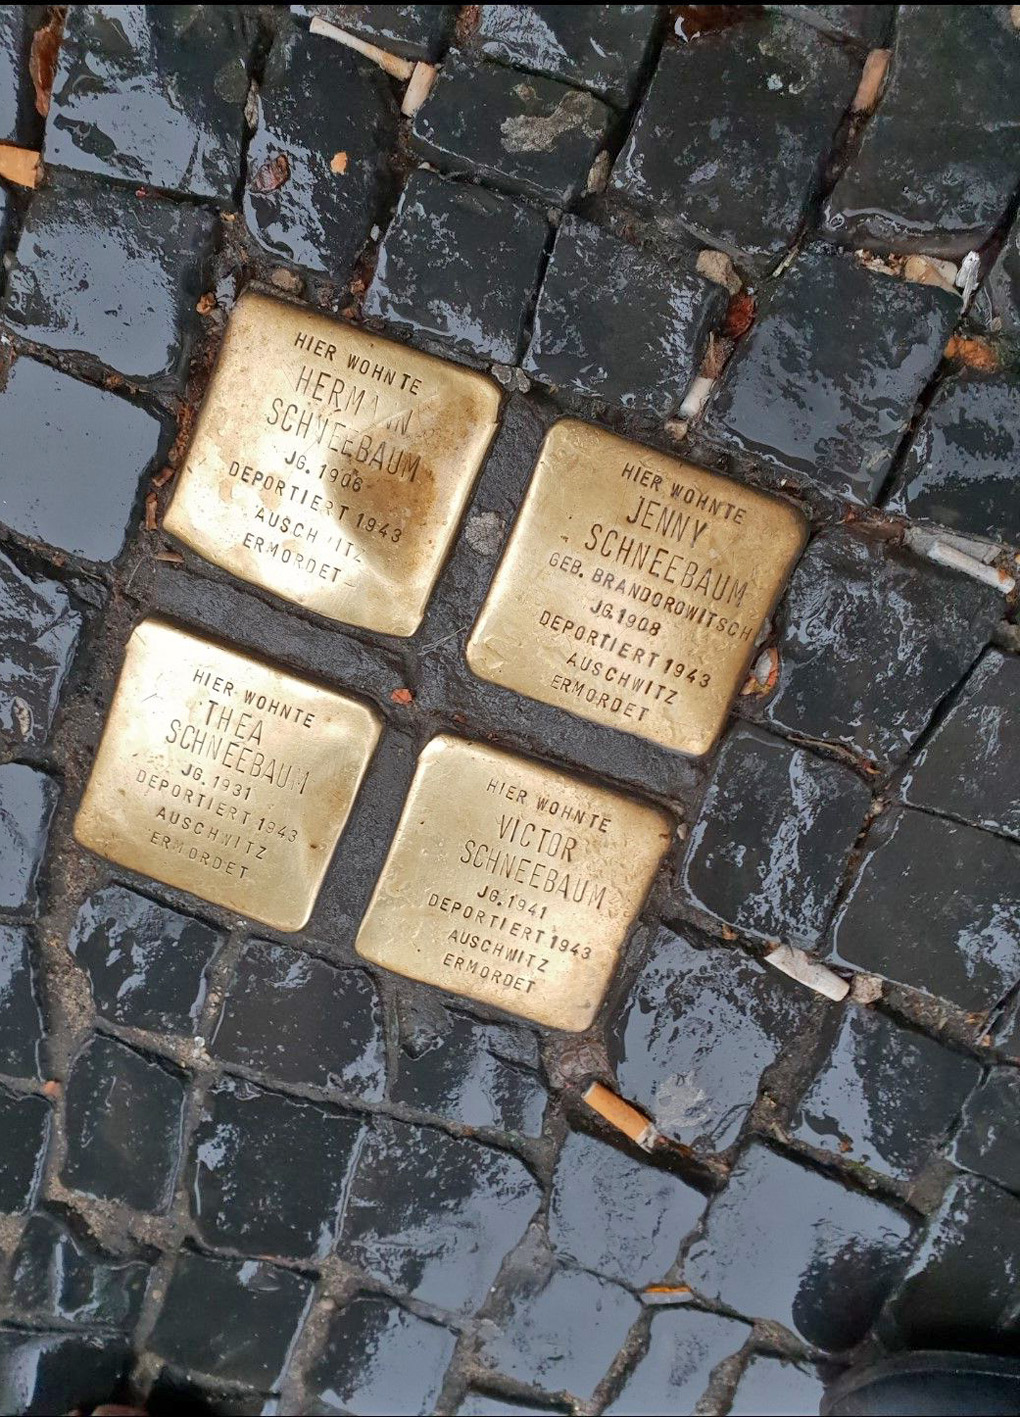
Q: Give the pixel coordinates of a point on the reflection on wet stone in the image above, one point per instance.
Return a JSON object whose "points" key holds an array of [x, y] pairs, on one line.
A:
{"points": [[960, 1289], [560, 1330], [109, 1157], [478, 1074], [519, 132], [39, 628], [299, 1019], [871, 343], [247, 1193], [43, 1373], [275, 761], [519, 891], [331, 466], [615, 1215], [970, 766], [152, 94], [258, 1307], [21, 1021], [146, 964], [459, 265], [869, 24], [871, 641], [771, 1385], [25, 1128], [101, 271], [597, 47], [683, 1347], [732, 134], [638, 606], [961, 467], [75, 482], [59, 1274], [885, 1097], [316, 163], [380, 1358], [17, 114], [697, 1031], [28, 799], [936, 906], [772, 839], [435, 1215], [987, 1142], [938, 161], [784, 1243], [616, 324]]}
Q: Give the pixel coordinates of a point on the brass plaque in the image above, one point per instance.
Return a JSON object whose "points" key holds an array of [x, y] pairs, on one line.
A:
{"points": [[633, 588], [331, 466], [224, 776], [512, 883]]}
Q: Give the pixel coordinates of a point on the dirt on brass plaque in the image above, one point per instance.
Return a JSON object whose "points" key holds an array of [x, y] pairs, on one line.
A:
{"points": [[331, 466], [633, 588], [224, 776], [512, 883]]}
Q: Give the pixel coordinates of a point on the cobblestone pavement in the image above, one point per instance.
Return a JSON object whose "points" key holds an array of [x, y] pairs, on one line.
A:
{"points": [[249, 1168]]}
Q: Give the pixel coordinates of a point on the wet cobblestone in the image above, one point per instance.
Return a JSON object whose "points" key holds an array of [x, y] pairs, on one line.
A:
{"points": [[390, 1197]]}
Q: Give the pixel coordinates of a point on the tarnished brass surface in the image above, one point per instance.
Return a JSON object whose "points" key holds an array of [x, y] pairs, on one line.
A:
{"points": [[331, 466], [512, 883], [224, 776], [633, 587]]}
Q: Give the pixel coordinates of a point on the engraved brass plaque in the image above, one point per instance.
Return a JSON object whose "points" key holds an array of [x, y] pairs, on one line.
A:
{"points": [[331, 466], [512, 883], [633, 588], [224, 776]]}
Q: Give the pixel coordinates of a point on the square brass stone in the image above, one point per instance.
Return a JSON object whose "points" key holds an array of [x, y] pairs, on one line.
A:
{"points": [[512, 883], [223, 776], [633, 588], [331, 466]]}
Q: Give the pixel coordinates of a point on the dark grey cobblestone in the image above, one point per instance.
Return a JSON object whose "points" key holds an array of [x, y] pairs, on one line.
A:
{"points": [[21, 1022], [27, 802], [109, 1156], [841, 427], [39, 629], [870, 642], [614, 324], [936, 906], [884, 1098], [519, 132], [42, 1373], [58, 1274], [696, 1032], [478, 1134], [18, 119], [772, 93], [153, 94], [74, 484], [812, 1242], [968, 768], [380, 1358], [26, 1129], [459, 265], [414, 31], [960, 469], [769, 848], [684, 1345], [596, 47], [293, 1017], [147, 966], [773, 1385], [102, 271], [317, 158], [987, 1142], [938, 161]]}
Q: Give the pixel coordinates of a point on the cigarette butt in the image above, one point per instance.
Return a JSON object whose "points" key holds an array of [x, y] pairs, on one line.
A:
{"points": [[394, 66], [621, 1115], [418, 89]]}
